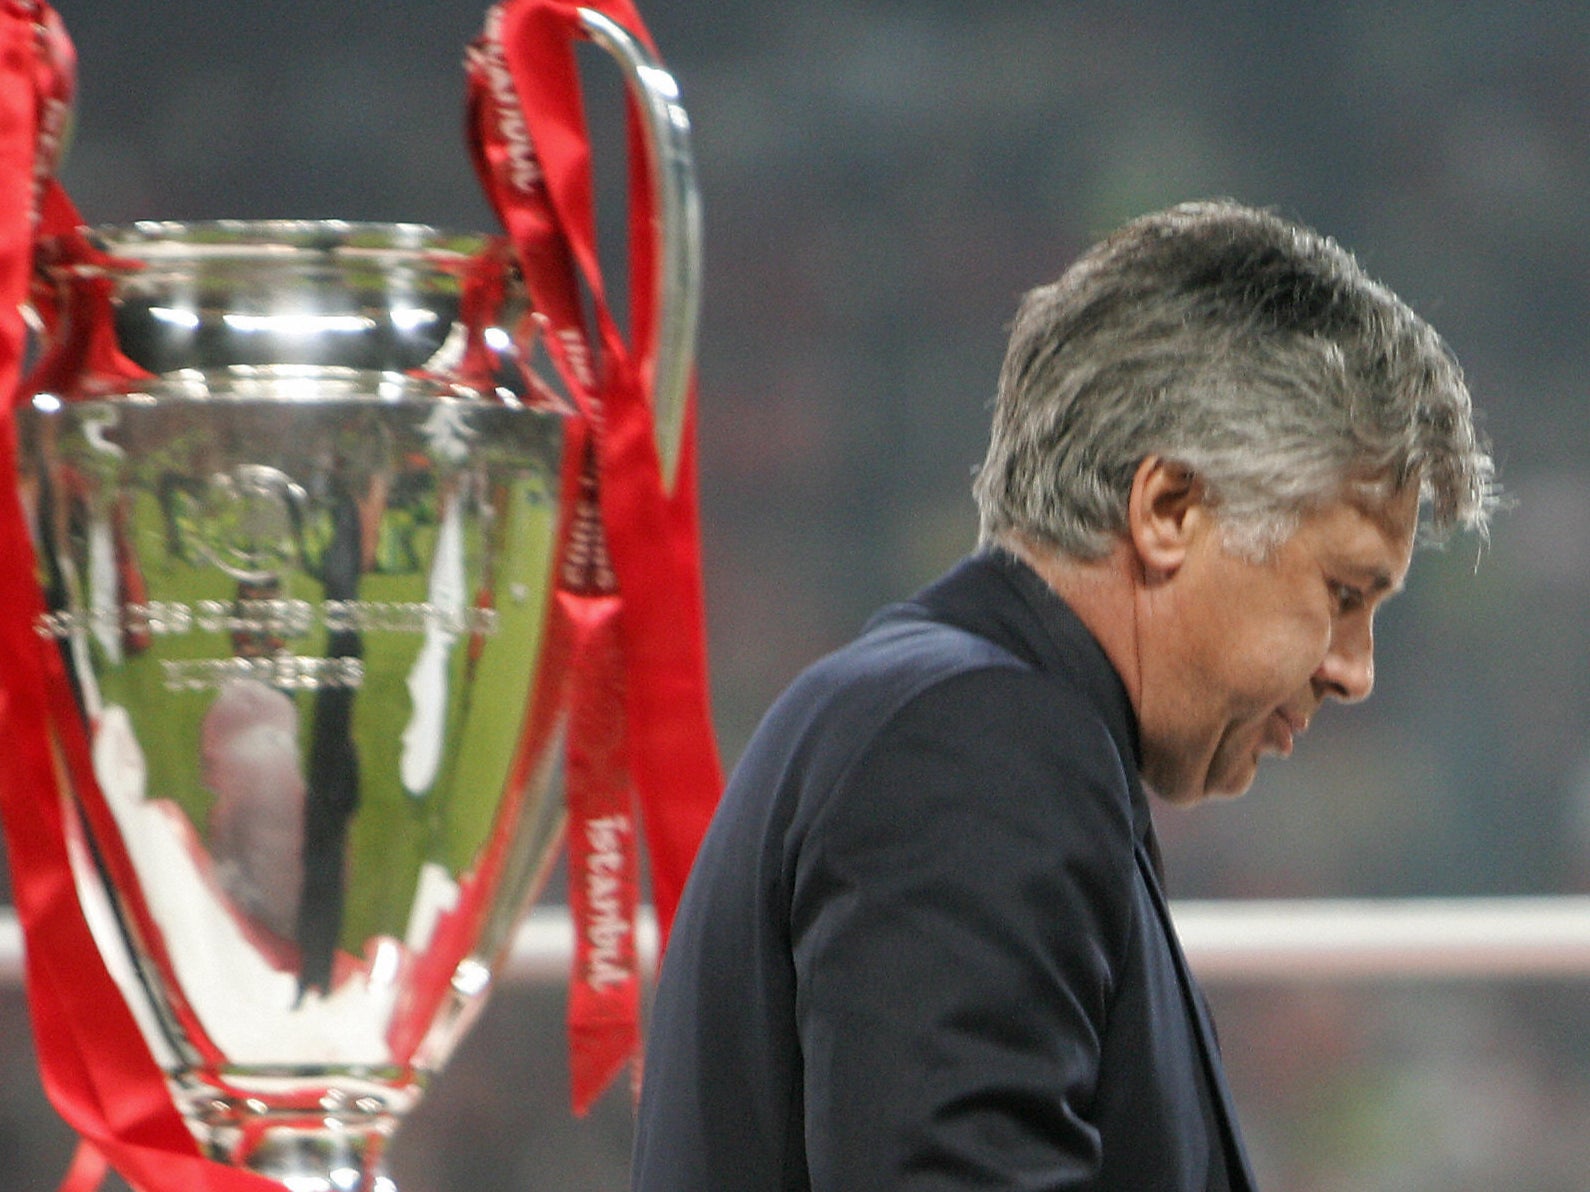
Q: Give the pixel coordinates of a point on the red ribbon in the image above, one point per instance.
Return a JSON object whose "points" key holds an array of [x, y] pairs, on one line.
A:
{"points": [[638, 698], [93, 1061]]}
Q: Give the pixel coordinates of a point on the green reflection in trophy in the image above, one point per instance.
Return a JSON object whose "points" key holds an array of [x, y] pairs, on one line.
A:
{"points": [[297, 557]]}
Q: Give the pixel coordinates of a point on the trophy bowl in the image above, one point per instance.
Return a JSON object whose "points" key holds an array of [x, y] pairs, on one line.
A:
{"points": [[294, 490]]}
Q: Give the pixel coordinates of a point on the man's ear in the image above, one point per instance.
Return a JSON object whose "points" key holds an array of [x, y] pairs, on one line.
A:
{"points": [[1164, 513]]}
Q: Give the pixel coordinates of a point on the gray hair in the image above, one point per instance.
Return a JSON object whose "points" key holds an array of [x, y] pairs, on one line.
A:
{"points": [[1251, 350]]}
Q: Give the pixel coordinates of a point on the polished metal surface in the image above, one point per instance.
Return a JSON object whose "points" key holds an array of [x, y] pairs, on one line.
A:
{"points": [[678, 217], [297, 544]]}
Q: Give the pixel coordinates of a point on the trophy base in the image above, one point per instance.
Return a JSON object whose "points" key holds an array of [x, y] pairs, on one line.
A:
{"points": [[331, 1142], [315, 1160]]}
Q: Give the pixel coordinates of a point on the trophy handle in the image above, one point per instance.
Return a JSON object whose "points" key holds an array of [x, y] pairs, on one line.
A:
{"points": [[677, 226]]}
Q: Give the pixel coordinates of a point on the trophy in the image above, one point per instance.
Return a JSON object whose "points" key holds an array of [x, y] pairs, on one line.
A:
{"points": [[297, 491]]}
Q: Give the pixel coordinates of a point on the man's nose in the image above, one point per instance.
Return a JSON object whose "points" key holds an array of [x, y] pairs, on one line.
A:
{"points": [[1348, 670]]}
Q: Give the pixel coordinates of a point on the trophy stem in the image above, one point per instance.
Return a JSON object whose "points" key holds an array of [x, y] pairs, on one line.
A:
{"points": [[336, 1158]]}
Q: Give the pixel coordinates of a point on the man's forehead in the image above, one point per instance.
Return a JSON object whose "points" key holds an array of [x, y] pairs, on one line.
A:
{"points": [[1372, 530]]}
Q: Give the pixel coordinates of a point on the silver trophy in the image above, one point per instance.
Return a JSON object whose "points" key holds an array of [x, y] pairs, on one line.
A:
{"points": [[296, 511]]}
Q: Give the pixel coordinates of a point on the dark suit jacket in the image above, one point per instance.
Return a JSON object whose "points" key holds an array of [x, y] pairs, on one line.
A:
{"points": [[925, 944]]}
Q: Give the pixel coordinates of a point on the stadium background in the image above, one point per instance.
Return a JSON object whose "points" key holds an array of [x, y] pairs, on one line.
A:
{"points": [[881, 180]]}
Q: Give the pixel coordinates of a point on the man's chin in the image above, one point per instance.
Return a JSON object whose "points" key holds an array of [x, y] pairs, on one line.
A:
{"points": [[1215, 788], [1225, 774], [1227, 794], [1185, 795], [1225, 786]]}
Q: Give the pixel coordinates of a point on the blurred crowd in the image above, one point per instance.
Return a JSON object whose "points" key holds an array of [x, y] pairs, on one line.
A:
{"points": [[881, 180]]}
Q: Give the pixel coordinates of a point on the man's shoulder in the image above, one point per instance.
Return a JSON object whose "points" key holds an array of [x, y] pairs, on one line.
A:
{"points": [[963, 664], [902, 653], [909, 638], [932, 726], [910, 665]]}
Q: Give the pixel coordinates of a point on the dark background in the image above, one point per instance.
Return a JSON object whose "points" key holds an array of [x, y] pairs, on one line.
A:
{"points": [[881, 181]]}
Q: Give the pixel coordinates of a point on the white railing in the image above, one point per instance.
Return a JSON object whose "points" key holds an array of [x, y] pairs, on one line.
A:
{"points": [[1234, 941], [1451, 938]]}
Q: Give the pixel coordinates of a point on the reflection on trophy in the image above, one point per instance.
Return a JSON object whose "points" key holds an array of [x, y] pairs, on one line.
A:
{"points": [[301, 583], [296, 502]]}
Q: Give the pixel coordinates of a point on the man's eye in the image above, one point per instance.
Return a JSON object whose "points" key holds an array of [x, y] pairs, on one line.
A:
{"points": [[1348, 598]]}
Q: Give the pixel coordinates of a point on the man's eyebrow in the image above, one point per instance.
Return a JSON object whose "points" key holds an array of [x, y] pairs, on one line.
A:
{"points": [[1379, 581], [1374, 579]]}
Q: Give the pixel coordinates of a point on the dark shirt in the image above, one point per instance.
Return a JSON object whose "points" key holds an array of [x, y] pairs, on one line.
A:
{"points": [[924, 945]]}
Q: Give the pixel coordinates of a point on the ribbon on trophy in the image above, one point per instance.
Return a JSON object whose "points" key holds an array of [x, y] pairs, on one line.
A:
{"points": [[629, 604], [93, 1061]]}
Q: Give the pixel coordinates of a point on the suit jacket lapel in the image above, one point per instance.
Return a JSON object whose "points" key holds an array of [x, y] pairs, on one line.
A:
{"points": [[1240, 1176]]}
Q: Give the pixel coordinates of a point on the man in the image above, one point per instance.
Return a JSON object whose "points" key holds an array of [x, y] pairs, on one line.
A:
{"points": [[926, 944]]}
